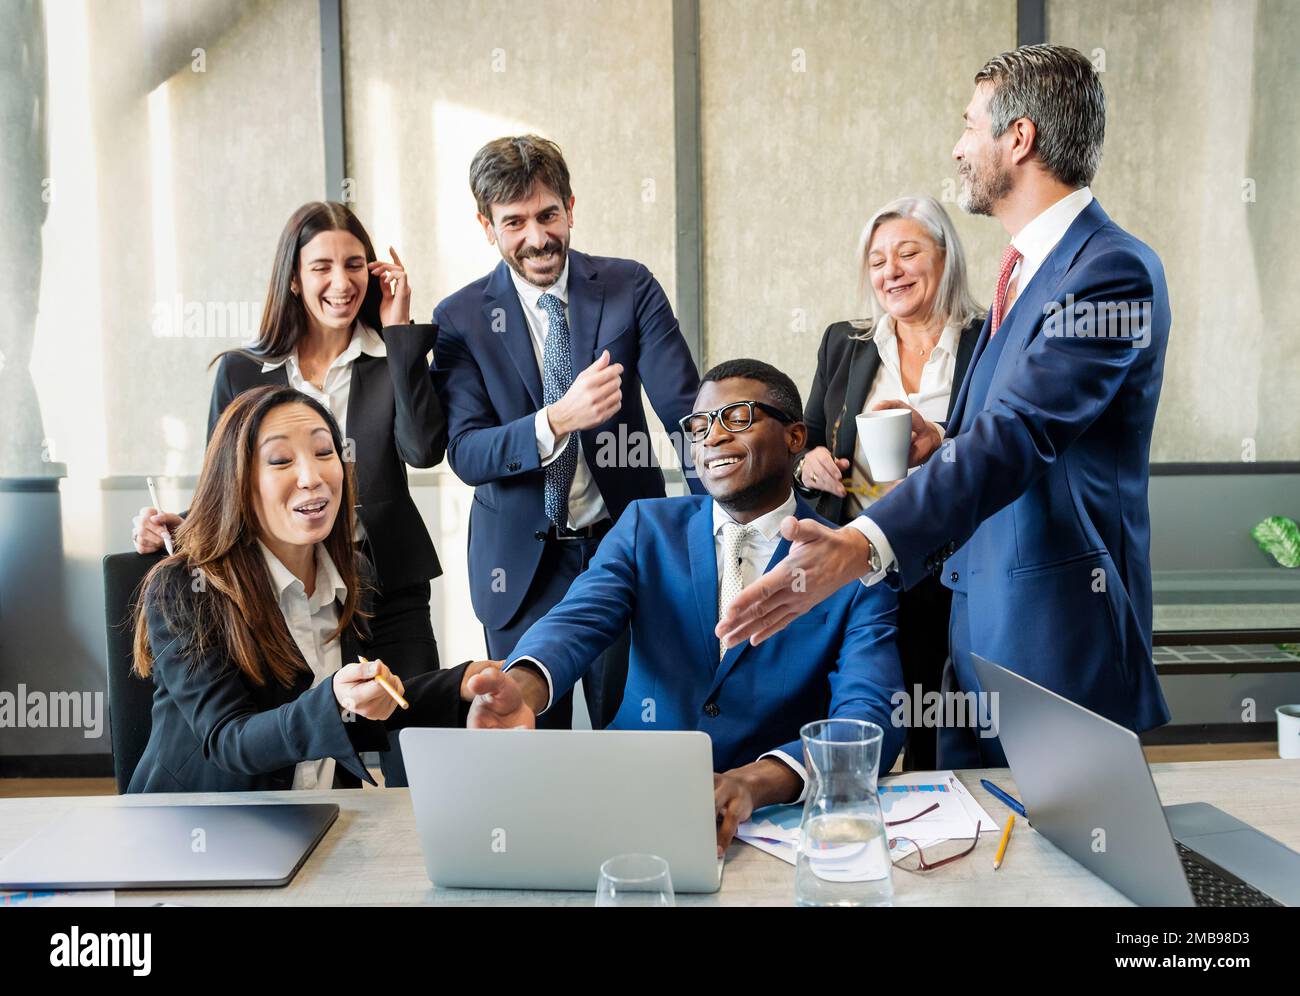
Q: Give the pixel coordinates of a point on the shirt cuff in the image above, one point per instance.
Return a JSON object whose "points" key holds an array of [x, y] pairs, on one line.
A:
{"points": [[799, 770], [548, 447], [550, 687], [888, 561]]}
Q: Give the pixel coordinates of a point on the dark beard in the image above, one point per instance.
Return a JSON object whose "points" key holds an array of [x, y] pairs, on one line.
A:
{"points": [[984, 194], [755, 496], [516, 263]]}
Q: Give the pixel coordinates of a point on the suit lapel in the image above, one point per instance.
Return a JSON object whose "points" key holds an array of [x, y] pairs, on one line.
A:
{"points": [[357, 394], [505, 316], [864, 361], [1027, 310], [802, 510], [362, 393], [958, 411], [586, 299], [962, 364], [1040, 288], [704, 572]]}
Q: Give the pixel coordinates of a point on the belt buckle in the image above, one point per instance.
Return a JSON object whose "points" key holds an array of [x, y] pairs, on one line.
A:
{"points": [[573, 535]]}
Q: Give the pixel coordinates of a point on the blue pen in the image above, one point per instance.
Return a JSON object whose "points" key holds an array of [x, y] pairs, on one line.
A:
{"points": [[1020, 810]]}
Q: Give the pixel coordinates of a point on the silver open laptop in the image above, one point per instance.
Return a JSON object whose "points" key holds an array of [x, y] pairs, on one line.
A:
{"points": [[542, 809], [1085, 784], [169, 847]]}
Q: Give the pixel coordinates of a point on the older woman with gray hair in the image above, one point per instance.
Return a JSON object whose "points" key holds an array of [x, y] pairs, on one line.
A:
{"points": [[915, 347]]}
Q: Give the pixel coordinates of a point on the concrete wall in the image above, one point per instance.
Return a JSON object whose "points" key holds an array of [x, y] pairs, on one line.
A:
{"points": [[139, 174], [156, 174], [1202, 136], [426, 85], [814, 114]]}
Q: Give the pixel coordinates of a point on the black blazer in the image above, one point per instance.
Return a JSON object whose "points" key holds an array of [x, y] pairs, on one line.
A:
{"points": [[215, 731], [846, 369], [394, 418]]}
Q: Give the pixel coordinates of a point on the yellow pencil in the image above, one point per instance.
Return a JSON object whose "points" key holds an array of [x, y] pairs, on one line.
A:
{"points": [[383, 683], [1006, 839]]}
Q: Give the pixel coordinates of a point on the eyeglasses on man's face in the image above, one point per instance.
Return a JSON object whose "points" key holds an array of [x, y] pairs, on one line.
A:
{"points": [[735, 417]]}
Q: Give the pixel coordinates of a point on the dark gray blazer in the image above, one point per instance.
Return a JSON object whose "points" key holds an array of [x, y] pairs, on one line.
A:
{"points": [[213, 730]]}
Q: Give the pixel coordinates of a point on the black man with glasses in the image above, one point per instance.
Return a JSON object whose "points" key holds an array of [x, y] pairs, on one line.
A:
{"points": [[670, 566]]}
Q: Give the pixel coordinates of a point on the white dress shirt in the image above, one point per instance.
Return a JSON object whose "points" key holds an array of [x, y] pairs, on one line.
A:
{"points": [[586, 505], [338, 377], [1037, 239], [760, 545], [1035, 243], [755, 555], [311, 621], [930, 398]]}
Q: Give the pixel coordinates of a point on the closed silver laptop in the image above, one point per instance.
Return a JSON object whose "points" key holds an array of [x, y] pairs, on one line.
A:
{"points": [[169, 847], [542, 809], [1086, 786]]}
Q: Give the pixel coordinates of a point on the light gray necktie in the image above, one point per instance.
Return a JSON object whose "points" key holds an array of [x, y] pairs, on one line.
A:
{"points": [[734, 536]]}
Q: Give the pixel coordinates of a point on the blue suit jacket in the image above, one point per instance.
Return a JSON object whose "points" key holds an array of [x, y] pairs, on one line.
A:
{"points": [[487, 375], [657, 573], [1036, 507]]}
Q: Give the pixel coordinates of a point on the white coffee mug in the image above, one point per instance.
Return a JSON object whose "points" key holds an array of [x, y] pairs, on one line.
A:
{"points": [[884, 437], [1288, 731]]}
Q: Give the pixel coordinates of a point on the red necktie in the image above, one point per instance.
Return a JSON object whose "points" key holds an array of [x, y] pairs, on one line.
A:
{"points": [[1010, 256]]}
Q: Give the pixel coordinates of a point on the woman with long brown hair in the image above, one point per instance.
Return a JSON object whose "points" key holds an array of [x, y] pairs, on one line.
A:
{"points": [[251, 630], [337, 326]]}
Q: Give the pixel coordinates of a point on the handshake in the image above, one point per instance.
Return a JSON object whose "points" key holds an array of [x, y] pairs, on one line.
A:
{"points": [[502, 702]]}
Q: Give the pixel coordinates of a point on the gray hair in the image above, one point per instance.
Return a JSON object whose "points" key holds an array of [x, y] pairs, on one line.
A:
{"points": [[1057, 89], [954, 302]]}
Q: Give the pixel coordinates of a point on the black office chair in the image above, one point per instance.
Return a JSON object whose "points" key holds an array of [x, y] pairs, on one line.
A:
{"points": [[130, 699]]}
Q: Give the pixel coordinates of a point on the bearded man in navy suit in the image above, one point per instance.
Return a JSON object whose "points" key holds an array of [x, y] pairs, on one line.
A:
{"points": [[1032, 504]]}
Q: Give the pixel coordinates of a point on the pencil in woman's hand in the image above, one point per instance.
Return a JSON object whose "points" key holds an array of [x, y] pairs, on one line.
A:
{"points": [[383, 683]]}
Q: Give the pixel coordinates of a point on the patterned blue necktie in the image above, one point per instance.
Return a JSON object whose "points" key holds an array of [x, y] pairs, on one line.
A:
{"points": [[557, 377]]}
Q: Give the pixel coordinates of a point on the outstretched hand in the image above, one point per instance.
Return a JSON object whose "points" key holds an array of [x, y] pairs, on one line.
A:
{"points": [[498, 703], [821, 561]]}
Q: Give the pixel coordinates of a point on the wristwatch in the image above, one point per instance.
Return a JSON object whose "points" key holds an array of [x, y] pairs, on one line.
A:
{"points": [[799, 484], [876, 563]]}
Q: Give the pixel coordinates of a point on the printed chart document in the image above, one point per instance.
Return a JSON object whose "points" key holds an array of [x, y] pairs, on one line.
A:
{"points": [[955, 813]]}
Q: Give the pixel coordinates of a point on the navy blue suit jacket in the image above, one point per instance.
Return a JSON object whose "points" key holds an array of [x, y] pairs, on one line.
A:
{"points": [[1036, 506], [488, 377], [657, 573]]}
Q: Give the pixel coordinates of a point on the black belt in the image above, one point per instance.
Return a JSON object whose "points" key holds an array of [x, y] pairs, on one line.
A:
{"points": [[592, 532]]}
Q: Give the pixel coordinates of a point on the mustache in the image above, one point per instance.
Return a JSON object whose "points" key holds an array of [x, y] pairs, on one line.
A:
{"points": [[551, 247]]}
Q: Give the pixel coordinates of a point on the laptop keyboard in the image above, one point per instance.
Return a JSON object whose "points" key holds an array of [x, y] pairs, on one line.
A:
{"points": [[1212, 886]]}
